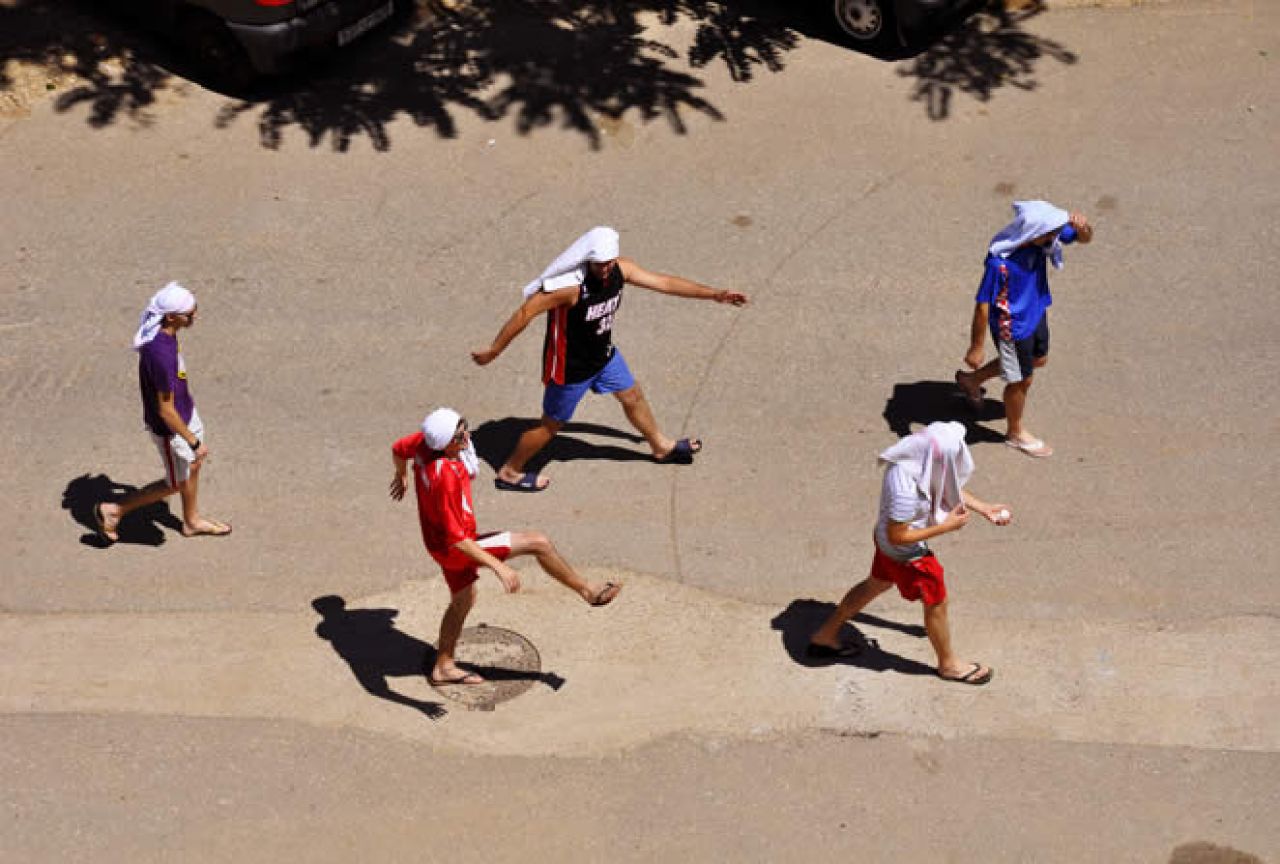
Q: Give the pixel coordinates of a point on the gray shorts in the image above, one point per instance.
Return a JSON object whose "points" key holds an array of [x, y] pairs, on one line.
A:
{"points": [[1018, 356]]}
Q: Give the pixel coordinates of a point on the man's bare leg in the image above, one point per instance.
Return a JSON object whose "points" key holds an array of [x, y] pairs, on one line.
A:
{"points": [[530, 443], [854, 602], [938, 628], [147, 495], [446, 669], [640, 415], [551, 561], [193, 524]]}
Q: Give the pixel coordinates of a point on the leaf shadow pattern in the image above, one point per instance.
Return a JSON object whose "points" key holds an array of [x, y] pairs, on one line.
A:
{"points": [[542, 63], [988, 51]]}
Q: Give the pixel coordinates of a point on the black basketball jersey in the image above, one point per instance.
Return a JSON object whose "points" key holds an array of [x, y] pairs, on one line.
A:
{"points": [[579, 340]]}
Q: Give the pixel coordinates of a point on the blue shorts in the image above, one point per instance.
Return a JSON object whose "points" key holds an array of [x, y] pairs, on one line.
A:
{"points": [[559, 401]]}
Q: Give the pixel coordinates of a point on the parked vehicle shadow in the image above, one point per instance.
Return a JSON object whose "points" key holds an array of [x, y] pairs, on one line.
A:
{"points": [[367, 639], [801, 618], [142, 526], [924, 402], [495, 439], [589, 67]]}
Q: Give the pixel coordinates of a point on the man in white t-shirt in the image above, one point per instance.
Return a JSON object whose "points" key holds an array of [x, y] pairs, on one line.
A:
{"points": [[922, 497]]}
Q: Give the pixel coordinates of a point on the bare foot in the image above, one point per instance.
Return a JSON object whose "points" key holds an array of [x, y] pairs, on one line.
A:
{"points": [[206, 528], [605, 594], [967, 673], [1030, 444], [453, 675], [526, 482]]}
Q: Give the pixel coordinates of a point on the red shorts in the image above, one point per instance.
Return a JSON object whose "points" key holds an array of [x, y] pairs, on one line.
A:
{"points": [[920, 579], [460, 571]]}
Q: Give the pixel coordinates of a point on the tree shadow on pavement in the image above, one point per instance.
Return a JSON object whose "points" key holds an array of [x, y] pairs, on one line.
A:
{"points": [[575, 64], [141, 527], [572, 63], [367, 639], [925, 402], [988, 50], [495, 439], [802, 617]]}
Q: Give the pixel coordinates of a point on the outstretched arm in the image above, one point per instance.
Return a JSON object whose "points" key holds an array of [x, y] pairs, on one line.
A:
{"points": [[677, 286], [529, 309]]}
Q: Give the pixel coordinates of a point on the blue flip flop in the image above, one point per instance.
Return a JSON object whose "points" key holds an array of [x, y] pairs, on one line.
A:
{"points": [[527, 483], [682, 453]]}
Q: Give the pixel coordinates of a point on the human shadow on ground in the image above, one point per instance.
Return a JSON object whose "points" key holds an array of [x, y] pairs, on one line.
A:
{"points": [[802, 617], [367, 639], [495, 439], [925, 402], [141, 527], [590, 67]]}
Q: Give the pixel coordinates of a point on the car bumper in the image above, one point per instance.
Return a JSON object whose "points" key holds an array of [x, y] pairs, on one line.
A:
{"points": [[271, 46]]}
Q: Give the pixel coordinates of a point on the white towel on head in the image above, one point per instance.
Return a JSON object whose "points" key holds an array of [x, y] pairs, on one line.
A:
{"points": [[940, 462], [598, 244], [169, 300], [1031, 219]]}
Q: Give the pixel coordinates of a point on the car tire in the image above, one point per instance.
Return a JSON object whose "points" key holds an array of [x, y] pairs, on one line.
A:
{"points": [[864, 22], [214, 52]]}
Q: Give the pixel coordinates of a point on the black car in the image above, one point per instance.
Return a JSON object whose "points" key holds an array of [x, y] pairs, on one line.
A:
{"points": [[877, 22]]}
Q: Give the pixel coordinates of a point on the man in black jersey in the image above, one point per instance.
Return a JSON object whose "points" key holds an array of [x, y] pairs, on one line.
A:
{"points": [[581, 292]]}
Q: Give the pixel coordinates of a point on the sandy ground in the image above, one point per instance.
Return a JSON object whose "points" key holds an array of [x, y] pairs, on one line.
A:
{"points": [[172, 699]]}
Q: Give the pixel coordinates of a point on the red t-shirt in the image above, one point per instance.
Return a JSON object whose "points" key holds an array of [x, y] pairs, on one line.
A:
{"points": [[444, 495]]}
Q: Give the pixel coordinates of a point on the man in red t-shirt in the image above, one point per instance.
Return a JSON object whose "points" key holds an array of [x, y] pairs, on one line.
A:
{"points": [[443, 465]]}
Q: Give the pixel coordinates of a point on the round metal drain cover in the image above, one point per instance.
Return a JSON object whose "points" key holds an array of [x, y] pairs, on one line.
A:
{"points": [[506, 660]]}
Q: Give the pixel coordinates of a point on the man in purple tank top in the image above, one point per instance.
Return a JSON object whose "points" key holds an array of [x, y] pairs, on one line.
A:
{"points": [[170, 416]]}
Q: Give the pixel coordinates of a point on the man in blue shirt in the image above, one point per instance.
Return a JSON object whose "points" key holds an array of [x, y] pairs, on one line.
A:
{"points": [[1013, 302]]}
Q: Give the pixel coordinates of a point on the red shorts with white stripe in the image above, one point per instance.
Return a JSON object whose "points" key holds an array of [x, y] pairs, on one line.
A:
{"points": [[460, 571], [920, 579]]}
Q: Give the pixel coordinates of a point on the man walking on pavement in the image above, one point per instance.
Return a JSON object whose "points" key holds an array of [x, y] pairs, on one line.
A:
{"points": [[581, 292], [443, 465], [1013, 302], [169, 413]]}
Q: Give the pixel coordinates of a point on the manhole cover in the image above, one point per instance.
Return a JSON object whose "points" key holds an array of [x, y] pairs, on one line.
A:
{"points": [[508, 662]]}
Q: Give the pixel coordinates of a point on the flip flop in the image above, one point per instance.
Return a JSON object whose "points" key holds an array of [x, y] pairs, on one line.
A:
{"points": [[607, 594], [100, 523], [1034, 448], [817, 651], [468, 679], [528, 482], [970, 677], [973, 397], [682, 453], [220, 529]]}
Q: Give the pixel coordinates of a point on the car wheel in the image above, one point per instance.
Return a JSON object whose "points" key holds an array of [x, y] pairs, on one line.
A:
{"points": [[863, 21], [214, 52]]}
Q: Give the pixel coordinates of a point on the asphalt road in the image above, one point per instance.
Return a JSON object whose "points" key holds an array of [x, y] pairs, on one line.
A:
{"points": [[352, 239]]}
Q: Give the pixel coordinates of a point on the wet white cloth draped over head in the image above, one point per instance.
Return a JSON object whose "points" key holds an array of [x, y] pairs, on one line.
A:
{"points": [[1031, 219], [172, 299], [439, 427], [598, 244], [939, 461]]}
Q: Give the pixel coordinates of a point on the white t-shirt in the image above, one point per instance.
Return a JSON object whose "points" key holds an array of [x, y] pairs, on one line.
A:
{"points": [[901, 501]]}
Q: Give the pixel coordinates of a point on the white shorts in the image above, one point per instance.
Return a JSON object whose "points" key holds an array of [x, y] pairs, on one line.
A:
{"points": [[176, 454]]}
